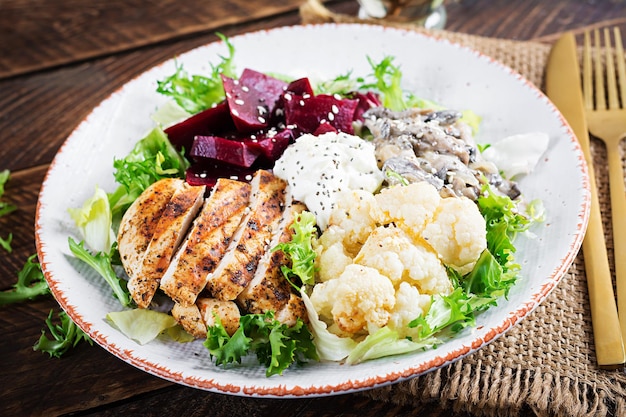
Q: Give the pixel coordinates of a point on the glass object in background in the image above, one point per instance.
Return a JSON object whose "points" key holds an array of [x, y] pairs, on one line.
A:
{"points": [[430, 14]]}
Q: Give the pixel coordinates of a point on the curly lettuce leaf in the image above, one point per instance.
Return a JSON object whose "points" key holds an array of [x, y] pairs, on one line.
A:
{"points": [[153, 158], [196, 92], [276, 345], [30, 284], [300, 250], [102, 263], [65, 336]]}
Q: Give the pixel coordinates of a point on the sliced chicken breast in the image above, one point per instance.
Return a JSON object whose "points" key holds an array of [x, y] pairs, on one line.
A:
{"points": [[140, 220], [235, 271], [168, 234], [207, 241], [292, 311], [196, 318], [269, 290]]}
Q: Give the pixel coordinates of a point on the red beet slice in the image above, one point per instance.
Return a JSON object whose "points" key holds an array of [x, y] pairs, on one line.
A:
{"points": [[225, 150], [252, 99], [307, 113], [214, 121], [271, 145], [366, 102]]}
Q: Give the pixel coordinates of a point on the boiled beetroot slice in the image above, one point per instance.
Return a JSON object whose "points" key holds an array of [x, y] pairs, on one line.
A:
{"points": [[225, 150], [272, 144], [305, 114], [300, 87], [324, 128], [252, 99], [215, 121], [207, 173], [366, 102]]}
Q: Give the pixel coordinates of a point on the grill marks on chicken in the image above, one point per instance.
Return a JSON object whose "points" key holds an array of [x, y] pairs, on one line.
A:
{"points": [[168, 233], [269, 290], [142, 217], [201, 252], [212, 255]]}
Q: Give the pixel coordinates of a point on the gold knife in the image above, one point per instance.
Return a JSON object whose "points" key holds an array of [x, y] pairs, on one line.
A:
{"points": [[563, 88]]}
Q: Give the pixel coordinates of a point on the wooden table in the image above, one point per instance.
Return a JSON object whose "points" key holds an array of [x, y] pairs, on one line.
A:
{"points": [[59, 59]]}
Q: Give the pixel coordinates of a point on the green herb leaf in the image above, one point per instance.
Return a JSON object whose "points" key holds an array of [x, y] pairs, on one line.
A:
{"points": [[5, 208], [101, 262], [196, 93], [30, 284], [277, 346], [64, 336], [152, 158], [300, 250]]}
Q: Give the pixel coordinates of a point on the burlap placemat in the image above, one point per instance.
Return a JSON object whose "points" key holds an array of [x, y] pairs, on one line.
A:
{"points": [[547, 362]]}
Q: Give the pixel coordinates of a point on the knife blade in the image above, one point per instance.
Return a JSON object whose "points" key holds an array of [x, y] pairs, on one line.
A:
{"points": [[563, 87]]}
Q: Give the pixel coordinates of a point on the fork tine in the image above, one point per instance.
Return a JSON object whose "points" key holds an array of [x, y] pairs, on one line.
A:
{"points": [[599, 72], [611, 85], [621, 64], [587, 73]]}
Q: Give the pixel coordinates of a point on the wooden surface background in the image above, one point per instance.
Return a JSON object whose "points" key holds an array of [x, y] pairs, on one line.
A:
{"points": [[58, 60]]}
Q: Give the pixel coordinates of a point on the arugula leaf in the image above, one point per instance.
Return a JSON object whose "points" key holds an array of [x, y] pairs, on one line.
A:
{"points": [[5, 208], [300, 250], [276, 345], [30, 284], [64, 336], [101, 262], [196, 93], [152, 158]]}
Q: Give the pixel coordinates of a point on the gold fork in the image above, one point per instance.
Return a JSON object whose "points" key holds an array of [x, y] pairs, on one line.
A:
{"points": [[608, 123]]}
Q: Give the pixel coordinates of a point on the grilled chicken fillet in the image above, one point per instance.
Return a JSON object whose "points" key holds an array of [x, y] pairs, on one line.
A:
{"points": [[140, 220], [207, 241], [235, 271], [196, 318], [269, 290], [168, 234]]}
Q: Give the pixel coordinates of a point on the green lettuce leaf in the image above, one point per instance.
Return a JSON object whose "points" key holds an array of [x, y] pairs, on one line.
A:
{"points": [[196, 92], [101, 262], [65, 336], [30, 284], [300, 250], [94, 221], [153, 158], [276, 345], [386, 342], [144, 325]]}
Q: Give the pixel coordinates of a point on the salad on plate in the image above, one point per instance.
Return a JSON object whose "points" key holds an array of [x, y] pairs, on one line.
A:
{"points": [[304, 220]]}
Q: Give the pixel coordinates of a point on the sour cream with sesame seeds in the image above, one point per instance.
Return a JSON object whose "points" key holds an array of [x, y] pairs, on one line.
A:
{"points": [[318, 168]]}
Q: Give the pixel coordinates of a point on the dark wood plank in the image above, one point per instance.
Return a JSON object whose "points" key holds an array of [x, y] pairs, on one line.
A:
{"points": [[39, 34]]}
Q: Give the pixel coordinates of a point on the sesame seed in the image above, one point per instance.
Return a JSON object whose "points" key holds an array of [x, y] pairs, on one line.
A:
{"points": [[239, 102]]}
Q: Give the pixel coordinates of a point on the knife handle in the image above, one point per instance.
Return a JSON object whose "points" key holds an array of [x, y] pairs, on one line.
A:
{"points": [[607, 335]]}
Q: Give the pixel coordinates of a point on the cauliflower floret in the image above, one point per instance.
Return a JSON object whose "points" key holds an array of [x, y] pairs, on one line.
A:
{"points": [[358, 214], [457, 233], [331, 257], [412, 205], [359, 299], [410, 304], [393, 253]]}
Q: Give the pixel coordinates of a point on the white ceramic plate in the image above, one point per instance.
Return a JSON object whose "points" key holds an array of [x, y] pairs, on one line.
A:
{"points": [[441, 71]]}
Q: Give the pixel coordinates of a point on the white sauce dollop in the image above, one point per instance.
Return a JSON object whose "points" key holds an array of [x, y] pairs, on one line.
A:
{"points": [[317, 168]]}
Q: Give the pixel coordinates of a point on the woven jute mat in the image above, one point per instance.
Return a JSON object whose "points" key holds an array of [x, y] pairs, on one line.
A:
{"points": [[547, 362]]}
